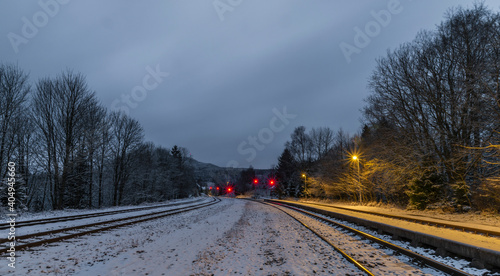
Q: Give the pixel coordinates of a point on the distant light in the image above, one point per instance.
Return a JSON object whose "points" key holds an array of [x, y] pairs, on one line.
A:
{"points": [[256, 181], [217, 188], [354, 157], [271, 182], [210, 187], [229, 189], [303, 175]]}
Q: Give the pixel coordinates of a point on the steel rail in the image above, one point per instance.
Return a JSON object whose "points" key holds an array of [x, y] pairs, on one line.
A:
{"points": [[336, 248], [416, 220], [19, 224], [133, 220], [425, 260]]}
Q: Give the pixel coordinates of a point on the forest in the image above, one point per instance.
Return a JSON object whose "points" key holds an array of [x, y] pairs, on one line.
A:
{"points": [[430, 134], [71, 152]]}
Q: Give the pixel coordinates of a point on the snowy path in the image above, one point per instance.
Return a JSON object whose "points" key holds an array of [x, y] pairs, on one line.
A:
{"points": [[233, 237], [264, 241], [380, 261]]}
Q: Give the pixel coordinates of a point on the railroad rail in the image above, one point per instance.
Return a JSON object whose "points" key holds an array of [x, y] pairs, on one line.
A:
{"points": [[90, 215], [480, 256], [420, 258], [46, 237], [336, 248], [448, 225]]}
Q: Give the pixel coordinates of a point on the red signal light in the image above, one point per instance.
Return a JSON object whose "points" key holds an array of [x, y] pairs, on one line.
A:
{"points": [[229, 189], [256, 181], [271, 182], [217, 188], [210, 188]]}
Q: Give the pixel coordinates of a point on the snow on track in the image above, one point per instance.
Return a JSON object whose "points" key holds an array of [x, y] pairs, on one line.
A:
{"points": [[264, 241], [378, 260], [234, 237], [25, 230], [465, 237], [25, 216]]}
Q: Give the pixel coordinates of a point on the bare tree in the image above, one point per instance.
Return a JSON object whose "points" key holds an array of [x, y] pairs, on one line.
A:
{"points": [[300, 146], [432, 91], [127, 134], [94, 124], [44, 116], [14, 89], [60, 108], [322, 140], [103, 152], [69, 152]]}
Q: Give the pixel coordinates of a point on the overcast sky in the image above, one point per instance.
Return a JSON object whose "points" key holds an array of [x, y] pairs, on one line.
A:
{"points": [[207, 75]]}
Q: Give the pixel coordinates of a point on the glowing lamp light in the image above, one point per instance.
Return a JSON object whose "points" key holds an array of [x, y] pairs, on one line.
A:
{"points": [[354, 157]]}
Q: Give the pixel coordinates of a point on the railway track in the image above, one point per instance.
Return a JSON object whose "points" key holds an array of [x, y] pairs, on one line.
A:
{"points": [[90, 215], [47, 237], [365, 262], [418, 220]]}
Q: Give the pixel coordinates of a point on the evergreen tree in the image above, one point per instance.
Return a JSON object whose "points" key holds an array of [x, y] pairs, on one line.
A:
{"points": [[176, 171], [287, 177], [244, 183]]}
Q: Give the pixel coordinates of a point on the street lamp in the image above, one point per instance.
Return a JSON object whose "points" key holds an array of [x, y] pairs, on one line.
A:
{"points": [[356, 159], [305, 183]]}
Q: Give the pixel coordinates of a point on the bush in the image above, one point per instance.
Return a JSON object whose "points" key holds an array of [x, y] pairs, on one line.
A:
{"points": [[461, 195], [425, 190], [487, 196]]}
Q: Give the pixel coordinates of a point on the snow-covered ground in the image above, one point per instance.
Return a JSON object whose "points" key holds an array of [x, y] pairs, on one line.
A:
{"points": [[380, 261], [473, 219], [23, 216], [233, 237], [492, 243], [25, 230], [455, 262]]}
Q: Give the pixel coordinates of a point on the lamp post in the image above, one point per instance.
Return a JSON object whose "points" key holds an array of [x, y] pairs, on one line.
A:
{"points": [[356, 159], [305, 184]]}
